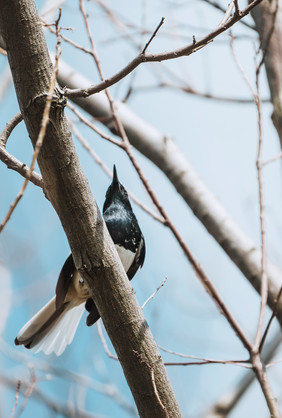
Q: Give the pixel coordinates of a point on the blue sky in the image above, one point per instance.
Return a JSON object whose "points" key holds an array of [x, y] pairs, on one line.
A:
{"points": [[220, 140]]}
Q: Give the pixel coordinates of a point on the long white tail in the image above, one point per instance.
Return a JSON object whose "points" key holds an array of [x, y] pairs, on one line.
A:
{"points": [[51, 329]]}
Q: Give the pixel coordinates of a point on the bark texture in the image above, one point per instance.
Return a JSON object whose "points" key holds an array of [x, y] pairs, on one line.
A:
{"points": [[268, 21], [165, 153], [68, 191]]}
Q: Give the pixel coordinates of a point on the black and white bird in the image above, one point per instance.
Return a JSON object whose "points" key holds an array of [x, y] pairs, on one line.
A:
{"points": [[53, 327]]}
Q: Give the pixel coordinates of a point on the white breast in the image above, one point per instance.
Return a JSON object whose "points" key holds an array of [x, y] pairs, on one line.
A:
{"points": [[126, 256]]}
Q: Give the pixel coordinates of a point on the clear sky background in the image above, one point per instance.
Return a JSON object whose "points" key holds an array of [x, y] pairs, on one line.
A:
{"points": [[220, 139]]}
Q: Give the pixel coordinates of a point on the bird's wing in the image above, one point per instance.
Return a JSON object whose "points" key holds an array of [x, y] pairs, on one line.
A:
{"points": [[138, 260], [64, 281]]}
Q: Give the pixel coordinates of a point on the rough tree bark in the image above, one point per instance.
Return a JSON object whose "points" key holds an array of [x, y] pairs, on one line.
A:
{"points": [[68, 191]]}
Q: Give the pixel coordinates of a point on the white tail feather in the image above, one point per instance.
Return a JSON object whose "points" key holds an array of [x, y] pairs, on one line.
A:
{"points": [[61, 332], [58, 335], [37, 320]]}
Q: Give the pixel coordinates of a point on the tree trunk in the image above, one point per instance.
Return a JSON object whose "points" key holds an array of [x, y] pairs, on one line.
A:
{"points": [[67, 189], [268, 20]]}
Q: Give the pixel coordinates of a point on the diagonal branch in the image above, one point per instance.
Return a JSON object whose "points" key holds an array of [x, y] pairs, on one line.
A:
{"points": [[67, 188], [125, 144], [164, 152], [142, 57]]}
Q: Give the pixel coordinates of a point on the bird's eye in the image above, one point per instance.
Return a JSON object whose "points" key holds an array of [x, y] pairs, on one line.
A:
{"points": [[81, 281]]}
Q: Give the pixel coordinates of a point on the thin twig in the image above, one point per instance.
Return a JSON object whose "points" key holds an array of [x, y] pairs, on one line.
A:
{"points": [[128, 149], [157, 393], [92, 126], [258, 365], [40, 396], [98, 160], [190, 90], [264, 278], [202, 363], [104, 342], [43, 127], [219, 7], [237, 10], [274, 313], [273, 159], [10, 126], [154, 34], [16, 397], [227, 14], [155, 292], [142, 58], [69, 41], [106, 389], [14, 164], [29, 390], [208, 360]]}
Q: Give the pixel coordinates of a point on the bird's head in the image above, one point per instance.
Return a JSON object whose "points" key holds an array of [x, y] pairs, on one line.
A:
{"points": [[116, 191]]}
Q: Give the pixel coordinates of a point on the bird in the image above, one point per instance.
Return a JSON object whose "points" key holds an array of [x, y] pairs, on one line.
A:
{"points": [[54, 326]]}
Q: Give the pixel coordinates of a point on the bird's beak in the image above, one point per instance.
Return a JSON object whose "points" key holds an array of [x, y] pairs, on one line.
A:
{"points": [[115, 177]]}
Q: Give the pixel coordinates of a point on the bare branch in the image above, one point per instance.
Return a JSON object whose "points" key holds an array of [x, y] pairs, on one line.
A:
{"points": [[29, 389], [227, 14], [274, 313], [105, 345], [154, 34], [164, 152], [155, 292], [92, 126], [10, 126], [16, 165], [41, 135], [258, 366], [98, 160], [39, 395], [12, 162], [229, 400], [157, 393], [125, 144], [16, 398], [191, 90], [272, 160], [219, 7], [264, 278], [94, 253], [141, 58], [203, 360], [108, 390]]}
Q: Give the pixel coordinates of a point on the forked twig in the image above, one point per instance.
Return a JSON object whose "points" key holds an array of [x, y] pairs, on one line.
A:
{"points": [[142, 58], [274, 313]]}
